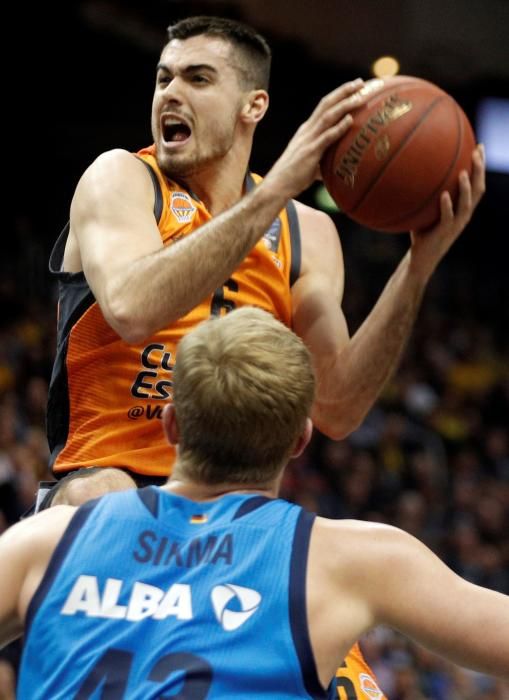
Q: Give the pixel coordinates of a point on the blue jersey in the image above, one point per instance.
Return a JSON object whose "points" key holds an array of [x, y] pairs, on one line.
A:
{"points": [[151, 595]]}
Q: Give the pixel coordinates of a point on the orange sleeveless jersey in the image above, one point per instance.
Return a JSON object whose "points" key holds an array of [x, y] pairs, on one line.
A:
{"points": [[106, 397], [355, 680]]}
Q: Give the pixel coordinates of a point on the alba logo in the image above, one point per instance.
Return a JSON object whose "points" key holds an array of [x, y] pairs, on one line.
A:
{"points": [[248, 599], [182, 207]]}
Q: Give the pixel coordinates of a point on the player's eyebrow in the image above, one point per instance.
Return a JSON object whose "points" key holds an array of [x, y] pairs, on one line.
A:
{"points": [[192, 68]]}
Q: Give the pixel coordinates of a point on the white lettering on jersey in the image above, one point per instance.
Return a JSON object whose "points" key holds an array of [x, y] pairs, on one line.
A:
{"points": [[84, 597], [109, 607], [176, 602], [145, 600]]}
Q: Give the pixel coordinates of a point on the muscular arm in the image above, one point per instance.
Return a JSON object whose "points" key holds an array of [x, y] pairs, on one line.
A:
{"points": [[142, 286], [351, 372], [410, 589], [25, 550], [374, 574]]}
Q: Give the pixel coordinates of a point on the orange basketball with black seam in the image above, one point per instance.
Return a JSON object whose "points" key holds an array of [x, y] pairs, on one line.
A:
{"points": [[406, 145]]}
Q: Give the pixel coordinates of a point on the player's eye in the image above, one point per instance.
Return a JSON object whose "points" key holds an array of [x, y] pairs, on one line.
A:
{"points": [[198, 78]]}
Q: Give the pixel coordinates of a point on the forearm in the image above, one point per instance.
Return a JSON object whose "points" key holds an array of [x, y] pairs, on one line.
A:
{"points": [[350, 379], [178, 277], [472, 629], [141, 287], [427, 601]]}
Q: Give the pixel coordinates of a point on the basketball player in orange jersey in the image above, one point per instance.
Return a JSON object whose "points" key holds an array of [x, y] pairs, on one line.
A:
{"points": [[163, 239], [160, 240]]}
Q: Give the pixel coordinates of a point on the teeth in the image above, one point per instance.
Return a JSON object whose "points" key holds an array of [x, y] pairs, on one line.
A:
{"points": [[173, 122]]}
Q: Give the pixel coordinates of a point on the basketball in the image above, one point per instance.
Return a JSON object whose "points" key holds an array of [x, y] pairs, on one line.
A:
{"points": [[406, 145]]}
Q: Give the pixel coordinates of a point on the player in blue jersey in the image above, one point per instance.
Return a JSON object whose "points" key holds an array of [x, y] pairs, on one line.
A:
{"points": [[171, 591]]}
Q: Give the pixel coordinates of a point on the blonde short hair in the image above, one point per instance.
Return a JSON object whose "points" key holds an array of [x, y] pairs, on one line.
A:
{"points": [[243, 386]]}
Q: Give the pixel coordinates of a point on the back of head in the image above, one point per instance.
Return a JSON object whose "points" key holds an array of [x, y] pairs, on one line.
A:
{"points": [[243, 388], [253, 52]]}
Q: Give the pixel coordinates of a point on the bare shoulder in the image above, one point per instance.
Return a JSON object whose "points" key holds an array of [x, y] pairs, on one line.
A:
{"points": [[27, 546], [361, 552], [361, 531], [364, 546], [115, 189], [115, 158], [306, 212], [313, 220], [383, 575], [40, 531], [112, 168], [25, 551]]}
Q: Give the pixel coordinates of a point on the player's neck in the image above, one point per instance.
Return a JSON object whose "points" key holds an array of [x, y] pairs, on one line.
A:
{"points": [[220, 185], [196, 491]]}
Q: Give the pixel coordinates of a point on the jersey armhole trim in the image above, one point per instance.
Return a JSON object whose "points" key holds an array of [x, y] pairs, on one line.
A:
{"points": [[56, 260], [295, 242], [298, 607], [158, 196]]}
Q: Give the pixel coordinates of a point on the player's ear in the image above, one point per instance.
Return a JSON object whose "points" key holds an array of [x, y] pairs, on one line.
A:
{"points": [[255, 106], [304, 439], [170, 424]]}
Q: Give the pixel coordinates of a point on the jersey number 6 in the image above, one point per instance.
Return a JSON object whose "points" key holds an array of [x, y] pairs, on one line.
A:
{"points": [[219, 302]]}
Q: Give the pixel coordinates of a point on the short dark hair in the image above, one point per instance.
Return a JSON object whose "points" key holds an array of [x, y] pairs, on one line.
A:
{"points": [[253, 50]]}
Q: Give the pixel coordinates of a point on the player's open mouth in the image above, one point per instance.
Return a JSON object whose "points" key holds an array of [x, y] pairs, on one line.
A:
{"points": [[175, 131]]}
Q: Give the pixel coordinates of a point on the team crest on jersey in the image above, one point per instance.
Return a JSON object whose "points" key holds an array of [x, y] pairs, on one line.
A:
{"points": [[182, 207], [369, 687]]}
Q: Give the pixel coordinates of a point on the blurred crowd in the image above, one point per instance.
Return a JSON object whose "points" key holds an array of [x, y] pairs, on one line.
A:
{"points": [[432, 457]]}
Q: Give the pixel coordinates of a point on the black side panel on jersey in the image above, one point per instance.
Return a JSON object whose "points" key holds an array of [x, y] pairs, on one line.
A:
{"points": [[74, 298], [57, 254], [158, 196], [293, 221]]}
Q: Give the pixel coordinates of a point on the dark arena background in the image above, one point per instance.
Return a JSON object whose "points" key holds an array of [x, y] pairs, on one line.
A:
{"points": [[432, 457]]}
